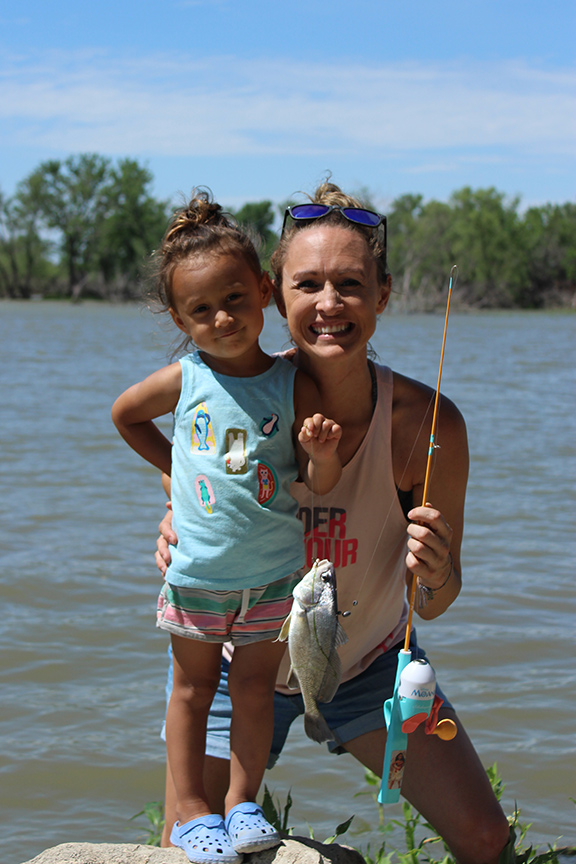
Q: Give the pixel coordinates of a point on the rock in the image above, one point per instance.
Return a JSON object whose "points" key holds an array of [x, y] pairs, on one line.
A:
{"points": [[293, 850]]}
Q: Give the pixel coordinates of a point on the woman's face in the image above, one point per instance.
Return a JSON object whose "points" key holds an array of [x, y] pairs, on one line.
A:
{"points": [[331, 296]]}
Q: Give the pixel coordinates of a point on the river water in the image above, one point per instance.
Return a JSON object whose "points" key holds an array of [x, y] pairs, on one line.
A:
{"points": [[82, 667]]}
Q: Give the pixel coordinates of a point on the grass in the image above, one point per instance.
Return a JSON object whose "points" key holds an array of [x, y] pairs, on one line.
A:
{"points": [[423, 845]]}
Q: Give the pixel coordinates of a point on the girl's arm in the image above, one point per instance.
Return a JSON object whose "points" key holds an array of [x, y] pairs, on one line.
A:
{"points": [[134, 411], [317, 438]]}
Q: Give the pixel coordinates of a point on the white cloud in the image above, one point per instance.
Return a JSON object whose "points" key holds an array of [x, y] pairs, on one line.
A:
{"points": [[164, 105]]}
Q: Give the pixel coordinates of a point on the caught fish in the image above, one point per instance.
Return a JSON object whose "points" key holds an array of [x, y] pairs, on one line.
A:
{"points": [[314, 633]]}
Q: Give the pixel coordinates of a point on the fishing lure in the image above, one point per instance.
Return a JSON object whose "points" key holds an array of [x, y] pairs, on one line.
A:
{"points": [[415, 700]]}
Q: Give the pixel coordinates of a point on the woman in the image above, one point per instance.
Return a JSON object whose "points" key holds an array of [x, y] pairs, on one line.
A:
{"points": [[331, 284]]}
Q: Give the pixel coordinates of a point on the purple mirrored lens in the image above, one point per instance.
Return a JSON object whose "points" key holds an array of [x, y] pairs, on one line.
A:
{"points": [[309, 211], [363, 217]]}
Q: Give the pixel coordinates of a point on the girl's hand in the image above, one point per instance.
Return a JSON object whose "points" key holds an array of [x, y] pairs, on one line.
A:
{"points": [[167, 537], [429, 546], [319, 437]]}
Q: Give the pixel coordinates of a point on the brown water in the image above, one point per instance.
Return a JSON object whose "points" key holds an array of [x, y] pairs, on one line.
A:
{"points": [[82, 667]]}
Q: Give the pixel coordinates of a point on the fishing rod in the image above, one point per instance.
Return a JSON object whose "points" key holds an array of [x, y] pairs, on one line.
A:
{"points": [[414, 700]]}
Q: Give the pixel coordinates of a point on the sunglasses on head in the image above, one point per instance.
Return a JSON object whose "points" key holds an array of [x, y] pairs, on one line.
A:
{"points": [[358, 215]]}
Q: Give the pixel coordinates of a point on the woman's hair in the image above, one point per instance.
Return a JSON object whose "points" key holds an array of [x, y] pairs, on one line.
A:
{"points": [[330, 194], [198, 229]]}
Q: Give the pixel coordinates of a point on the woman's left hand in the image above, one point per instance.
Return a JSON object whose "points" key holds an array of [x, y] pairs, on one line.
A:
{"points": [[429, 542]]}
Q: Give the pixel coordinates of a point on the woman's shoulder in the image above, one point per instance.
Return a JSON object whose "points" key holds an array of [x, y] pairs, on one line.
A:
{"points": [[413, 401], [412, 413]]}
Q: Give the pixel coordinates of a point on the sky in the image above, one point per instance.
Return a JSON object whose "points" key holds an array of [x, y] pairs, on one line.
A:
{"points": [[260, 100]]}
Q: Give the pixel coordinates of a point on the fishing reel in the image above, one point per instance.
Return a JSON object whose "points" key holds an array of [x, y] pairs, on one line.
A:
{"points": [[414, 702]]}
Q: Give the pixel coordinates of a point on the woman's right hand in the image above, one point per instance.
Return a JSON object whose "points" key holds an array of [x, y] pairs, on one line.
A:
{"points": [[167, 537]]}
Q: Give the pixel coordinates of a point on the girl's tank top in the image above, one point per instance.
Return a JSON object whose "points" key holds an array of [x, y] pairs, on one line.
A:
{"points": [[233, 462]]}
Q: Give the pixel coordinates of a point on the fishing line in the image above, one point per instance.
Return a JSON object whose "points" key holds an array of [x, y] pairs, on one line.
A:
{"points": [[434, 400], [431, 448], [331, 497]]}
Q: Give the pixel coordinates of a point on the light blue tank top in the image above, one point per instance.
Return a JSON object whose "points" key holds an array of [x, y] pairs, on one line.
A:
{"points": [[233, 462]]}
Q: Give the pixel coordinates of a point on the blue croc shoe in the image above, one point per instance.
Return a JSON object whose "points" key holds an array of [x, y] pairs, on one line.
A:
{"points": [[205, 841], [248, 829]]}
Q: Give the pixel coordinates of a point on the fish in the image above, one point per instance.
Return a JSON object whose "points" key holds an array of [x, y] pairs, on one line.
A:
{"points": [[202, 427], [314, 634]]}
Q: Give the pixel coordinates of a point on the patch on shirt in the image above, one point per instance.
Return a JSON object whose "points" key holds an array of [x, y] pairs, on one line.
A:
{"points": [[236, 462], [204, 492], [267, 484], [203, 440], [269, 426]]}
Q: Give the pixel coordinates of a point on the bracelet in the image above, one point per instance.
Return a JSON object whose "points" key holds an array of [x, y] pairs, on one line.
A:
{"points": [[426, 593]]}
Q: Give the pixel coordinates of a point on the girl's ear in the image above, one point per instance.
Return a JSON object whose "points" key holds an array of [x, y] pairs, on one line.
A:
{"points": [[266, 289], [280, 305], [177, 320], [384, 297]]}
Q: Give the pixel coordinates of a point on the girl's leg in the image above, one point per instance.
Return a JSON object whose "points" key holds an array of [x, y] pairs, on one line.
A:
{"points": [[196, 676], [447, 784], [251, 681], [216, 782]]}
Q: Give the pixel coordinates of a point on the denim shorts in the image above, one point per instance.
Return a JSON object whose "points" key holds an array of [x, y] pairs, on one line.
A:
{"points": [[357, 707]]}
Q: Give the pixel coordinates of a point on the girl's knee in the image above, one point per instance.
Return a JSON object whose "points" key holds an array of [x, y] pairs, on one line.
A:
{"points": [[252, 687], [195, 694]]}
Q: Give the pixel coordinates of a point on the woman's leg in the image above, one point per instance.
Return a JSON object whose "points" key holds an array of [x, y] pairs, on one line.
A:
{"points": [[251, 681], [196, 676], [447, 784]]}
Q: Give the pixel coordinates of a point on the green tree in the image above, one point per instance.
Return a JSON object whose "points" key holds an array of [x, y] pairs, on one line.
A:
{"points": [[403, 253], [24, 262], [550, 252], [486, 239], [259, 217], [72, 199], [420, 250], [131, 230]]}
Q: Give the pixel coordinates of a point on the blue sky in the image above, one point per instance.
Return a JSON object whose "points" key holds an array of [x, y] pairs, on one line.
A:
{"points": [[260, 99]]}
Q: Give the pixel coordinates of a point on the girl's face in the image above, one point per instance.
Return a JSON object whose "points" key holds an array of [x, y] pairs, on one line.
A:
{"points": [[218, 301], [331, 296]]}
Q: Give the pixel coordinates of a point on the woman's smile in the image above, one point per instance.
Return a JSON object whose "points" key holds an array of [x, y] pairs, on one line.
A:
{"points": [[331, 329]]}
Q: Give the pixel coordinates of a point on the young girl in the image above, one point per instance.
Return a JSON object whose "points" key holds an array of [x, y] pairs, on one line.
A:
{"points": [[237, 415]]}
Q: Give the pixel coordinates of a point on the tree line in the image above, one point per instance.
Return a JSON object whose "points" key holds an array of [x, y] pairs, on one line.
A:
{"points": [[85, 227]]}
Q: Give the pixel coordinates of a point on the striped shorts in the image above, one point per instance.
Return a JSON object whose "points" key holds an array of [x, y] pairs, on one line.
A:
{"points": [[240, 617]]}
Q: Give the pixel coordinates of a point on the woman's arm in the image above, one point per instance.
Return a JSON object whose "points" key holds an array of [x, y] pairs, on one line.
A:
{"points": [[134, 411], [435, 532]]}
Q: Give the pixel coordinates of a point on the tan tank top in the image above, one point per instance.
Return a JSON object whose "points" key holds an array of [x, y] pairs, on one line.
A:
{"points": [[361, 528]]}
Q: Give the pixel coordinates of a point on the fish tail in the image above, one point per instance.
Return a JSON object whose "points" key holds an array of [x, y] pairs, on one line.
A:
{"points": [[317, 728]]}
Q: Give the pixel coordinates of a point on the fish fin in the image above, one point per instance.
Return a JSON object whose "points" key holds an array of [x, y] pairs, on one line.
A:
{"points": [[316, 728], [341, 637], [331, 680], [284, 631], [292, 680]]}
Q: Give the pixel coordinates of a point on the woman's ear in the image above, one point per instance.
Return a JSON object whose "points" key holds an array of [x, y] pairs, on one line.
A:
{"points": [[385, 289], [266, 289]]}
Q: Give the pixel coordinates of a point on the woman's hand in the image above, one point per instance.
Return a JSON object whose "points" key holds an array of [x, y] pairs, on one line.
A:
{"points": [[167, 537], [430, 559], [429, 546]]}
